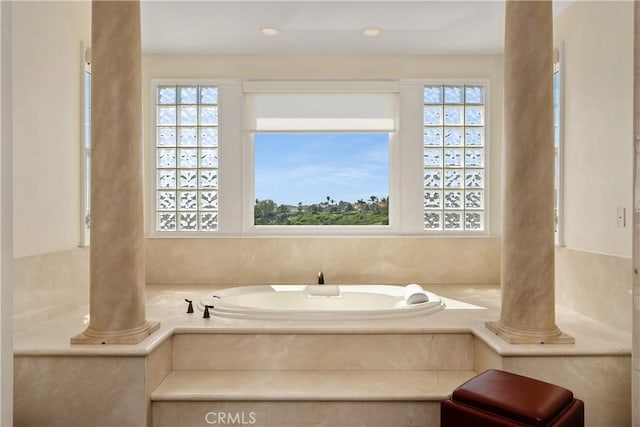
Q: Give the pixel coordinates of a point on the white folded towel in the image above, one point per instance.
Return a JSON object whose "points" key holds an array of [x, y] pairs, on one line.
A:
{"points": [[414, 294]]}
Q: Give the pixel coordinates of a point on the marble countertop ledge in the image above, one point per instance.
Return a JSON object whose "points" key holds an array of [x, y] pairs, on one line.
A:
{"points": [[165, 304]]}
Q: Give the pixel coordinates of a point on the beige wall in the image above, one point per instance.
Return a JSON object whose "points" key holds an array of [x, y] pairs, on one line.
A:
{"points": [[598, 38], [6, 222], [635, 352], [47, 121], [51, 271], [287, 260], [594, 273]]}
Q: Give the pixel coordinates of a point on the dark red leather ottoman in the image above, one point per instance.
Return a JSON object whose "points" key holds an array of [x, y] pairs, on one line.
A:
{"points": [[502, 399]]}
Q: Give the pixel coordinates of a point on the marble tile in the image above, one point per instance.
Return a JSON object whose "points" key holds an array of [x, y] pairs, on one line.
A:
{"points": [[484, 357], [323, 351], [159, 364], [48, 285], [298, 414], [596, 285], [79, 391], [603, 383], [243, 261], [592, 338], [341, 385], [165, 303]]}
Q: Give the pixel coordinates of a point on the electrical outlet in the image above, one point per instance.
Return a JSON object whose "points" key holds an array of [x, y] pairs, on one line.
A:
{"points": [[621, 217]]}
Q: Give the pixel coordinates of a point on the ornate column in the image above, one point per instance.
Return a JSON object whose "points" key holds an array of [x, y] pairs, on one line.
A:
{"points": [[117, 270], [527, 270]]}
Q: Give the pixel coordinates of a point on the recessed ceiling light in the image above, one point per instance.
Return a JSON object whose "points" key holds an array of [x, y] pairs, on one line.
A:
{"points": [[270, 32], [372, 32]]}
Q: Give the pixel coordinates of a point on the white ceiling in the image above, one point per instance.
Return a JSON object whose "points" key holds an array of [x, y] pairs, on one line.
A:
{"points": [[408, 27]]}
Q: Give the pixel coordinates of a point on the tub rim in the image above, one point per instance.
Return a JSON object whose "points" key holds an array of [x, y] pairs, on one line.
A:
{"points": [[230, 310]]}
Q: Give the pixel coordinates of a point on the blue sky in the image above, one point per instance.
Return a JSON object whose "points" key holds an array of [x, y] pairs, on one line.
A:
{"points": [[308, 167]]}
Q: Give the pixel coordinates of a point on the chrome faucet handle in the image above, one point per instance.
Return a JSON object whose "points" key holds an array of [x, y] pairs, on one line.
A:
{"points": [[320, 278], [206, 311], [190, 307]]}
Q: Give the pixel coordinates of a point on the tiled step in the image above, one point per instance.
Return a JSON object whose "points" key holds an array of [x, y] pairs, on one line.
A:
{"points": [[323, 351], [296, 414], [309, 385], [303, 398]]}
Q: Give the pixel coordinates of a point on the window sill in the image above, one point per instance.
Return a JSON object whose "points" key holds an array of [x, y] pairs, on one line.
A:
{"points": [[320, 235]]}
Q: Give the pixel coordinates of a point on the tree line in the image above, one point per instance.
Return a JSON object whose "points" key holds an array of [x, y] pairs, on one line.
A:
{"points": [[371, 211]]}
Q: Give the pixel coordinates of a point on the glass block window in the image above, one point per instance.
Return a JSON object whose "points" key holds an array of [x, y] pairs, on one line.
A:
{"points": [[454, 157], [186, 196]]}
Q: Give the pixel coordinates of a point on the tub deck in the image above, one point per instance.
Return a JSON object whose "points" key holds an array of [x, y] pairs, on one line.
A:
{"points": [[393, 371]]}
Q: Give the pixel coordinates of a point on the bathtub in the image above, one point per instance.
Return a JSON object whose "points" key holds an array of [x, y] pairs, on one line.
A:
{"points": [[330, 302]]}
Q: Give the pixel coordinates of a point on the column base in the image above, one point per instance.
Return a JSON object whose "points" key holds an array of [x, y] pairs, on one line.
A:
{"points": [[130, 336], [519, 336]]}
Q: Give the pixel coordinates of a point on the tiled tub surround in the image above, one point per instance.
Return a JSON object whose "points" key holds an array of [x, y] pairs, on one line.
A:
{"points": [[384, 260], [585, 279], [48, 285], [271, 374], [376, 373]]}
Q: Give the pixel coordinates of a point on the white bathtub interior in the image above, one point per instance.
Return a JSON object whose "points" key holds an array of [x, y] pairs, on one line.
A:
{"points": [[320, 301]]}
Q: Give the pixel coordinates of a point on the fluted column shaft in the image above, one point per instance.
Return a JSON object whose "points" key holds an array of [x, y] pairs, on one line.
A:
{"points": [[527, 270], [117, 270]]}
